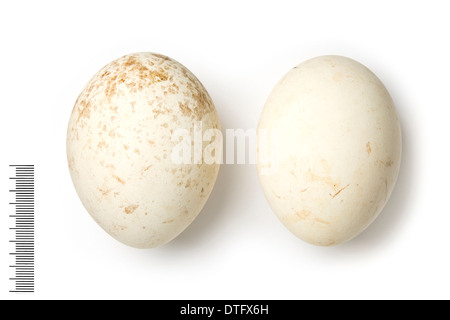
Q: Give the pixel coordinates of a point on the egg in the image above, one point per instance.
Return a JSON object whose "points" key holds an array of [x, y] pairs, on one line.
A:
{"points": [[121, 141], [334, 151]]}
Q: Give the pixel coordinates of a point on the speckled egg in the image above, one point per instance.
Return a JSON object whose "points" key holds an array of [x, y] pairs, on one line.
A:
{"points": [[120, 143], [337, 147]]}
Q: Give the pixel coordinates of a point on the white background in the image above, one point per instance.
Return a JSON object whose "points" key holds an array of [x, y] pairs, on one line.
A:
{"points": [[236, 248]]}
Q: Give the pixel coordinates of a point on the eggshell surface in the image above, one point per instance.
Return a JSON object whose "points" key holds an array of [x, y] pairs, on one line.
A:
{"points": [[119, 145], [338, 149]]}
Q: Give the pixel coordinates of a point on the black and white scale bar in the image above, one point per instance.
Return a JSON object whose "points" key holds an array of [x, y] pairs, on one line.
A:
{"points": [[23, 219]]}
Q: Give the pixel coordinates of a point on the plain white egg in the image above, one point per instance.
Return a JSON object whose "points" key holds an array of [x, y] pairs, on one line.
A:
{"points": [[338, 149]]}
